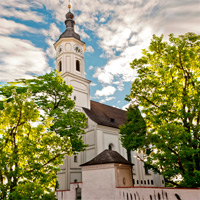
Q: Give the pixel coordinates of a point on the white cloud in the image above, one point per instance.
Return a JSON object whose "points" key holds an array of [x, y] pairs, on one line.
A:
{"points": [[50, 51], [107, 99], [81, 32], [102, 20], [89, 49], [20, 59], [20, 9], [102, 76], [106, 91], [51, 36], [122, 29], [10, 27], [126, 106], [53, 32], [118, 67], [129, 28], [93, 84], [91, 67]]}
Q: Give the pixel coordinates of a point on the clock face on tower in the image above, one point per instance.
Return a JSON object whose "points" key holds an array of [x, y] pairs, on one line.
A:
{"points": [[78, 49]]}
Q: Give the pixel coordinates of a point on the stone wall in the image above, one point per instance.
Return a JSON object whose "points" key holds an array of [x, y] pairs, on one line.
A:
{"points": [[141, 193], [134, 193], [72, 194]]}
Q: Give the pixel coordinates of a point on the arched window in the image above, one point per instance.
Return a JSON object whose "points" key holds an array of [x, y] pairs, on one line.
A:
{"points": [[60, 66], [77, 65], [110, 146]]}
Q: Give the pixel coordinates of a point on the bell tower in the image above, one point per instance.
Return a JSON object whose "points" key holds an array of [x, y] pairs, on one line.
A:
{"points": [[70, 62]]}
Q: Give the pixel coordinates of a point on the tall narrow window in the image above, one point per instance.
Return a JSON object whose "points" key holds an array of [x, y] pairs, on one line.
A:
{"points": [[60, 66], [78, 65], [75, 159]]}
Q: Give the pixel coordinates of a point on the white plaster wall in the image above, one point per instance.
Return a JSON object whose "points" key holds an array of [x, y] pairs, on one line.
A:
{"points": [[69, 57], [81, 98], [111, 138], [81, 90], [123, 175], [99, 182], [108, 135], [133, 193], [98, 138], [142, 179], [157, 194], [75, 164], [90, 152], [90, 137], [69, 172], [75, 176], [62, 180], [68, 194]]}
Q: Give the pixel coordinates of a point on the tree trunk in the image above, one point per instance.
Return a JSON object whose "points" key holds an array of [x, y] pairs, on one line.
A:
{"points": [[129, 155]]}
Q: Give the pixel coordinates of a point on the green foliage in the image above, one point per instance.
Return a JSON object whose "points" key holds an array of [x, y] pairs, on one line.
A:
{"points": [[167, 88], [52, 95], [38, 127], [31, 190], [29, 153], [133, 132]]}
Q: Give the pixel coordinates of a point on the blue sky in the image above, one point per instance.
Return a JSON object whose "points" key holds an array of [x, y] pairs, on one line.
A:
{"points": [[114, 33]]}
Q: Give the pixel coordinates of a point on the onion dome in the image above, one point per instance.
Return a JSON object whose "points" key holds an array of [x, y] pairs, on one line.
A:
{"points": [[69, 15], [69, 23]]}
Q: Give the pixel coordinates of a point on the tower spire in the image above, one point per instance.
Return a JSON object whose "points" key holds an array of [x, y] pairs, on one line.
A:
{"points": [[69, 23], [69, 5]]}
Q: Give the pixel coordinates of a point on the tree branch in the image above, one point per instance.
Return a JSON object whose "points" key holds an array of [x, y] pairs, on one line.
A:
{"points": [[152, 103], [178, 160]]}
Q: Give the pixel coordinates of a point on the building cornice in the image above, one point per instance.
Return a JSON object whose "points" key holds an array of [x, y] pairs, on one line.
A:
{"points": [[69, 39], [76, 77]]}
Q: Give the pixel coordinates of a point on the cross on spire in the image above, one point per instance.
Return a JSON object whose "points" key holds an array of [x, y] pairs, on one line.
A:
{"points": [[69, 5]]}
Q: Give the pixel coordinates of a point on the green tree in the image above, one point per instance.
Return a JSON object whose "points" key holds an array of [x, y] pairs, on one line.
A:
{"points": [[38, 148], [29, 152], [168, 90], [52, 96], [133, 132]]}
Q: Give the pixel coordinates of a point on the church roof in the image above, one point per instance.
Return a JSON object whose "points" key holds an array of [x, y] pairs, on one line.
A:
{"points": [[70, 33], [106, 115], [106, 157]]}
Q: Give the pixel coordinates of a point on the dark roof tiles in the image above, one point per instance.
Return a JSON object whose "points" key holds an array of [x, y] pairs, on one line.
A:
{"points": [[70, 33], [106, 157], [106, 115]]}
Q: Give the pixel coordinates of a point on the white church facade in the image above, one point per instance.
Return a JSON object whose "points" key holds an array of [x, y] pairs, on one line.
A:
{"points": [[102, 131]]}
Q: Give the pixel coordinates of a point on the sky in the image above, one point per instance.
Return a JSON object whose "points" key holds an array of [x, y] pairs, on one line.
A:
{"points": [[115, 32]]}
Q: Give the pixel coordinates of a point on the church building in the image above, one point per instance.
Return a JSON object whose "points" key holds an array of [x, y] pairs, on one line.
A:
{"points": [[102, 131]]}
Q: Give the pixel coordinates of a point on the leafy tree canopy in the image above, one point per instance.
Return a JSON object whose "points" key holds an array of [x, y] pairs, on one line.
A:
{"points": [[168, 89], [29, 152], [133, 132], [38, 127], [52, 96]]}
